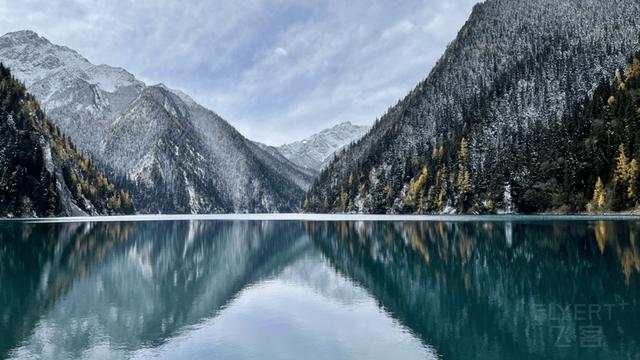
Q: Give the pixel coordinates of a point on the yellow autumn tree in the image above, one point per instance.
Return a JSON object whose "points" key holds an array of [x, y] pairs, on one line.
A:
{"points": [[417, 184], [621, 173], [114, 202], [441, 183], [344, 199], [632, 180], [634, 69], [599, 197], [464, 176], [437, 153], [625, 175], [388, 190]]}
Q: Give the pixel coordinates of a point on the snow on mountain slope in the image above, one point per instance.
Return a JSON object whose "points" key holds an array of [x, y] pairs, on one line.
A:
{"points": [[515, 68], [175, 154], [35, 59], [316, 151], [81, 97], [300, 174]]}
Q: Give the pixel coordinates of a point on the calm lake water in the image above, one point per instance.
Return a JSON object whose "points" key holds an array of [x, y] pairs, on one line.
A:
{"points": [[475, 289]]}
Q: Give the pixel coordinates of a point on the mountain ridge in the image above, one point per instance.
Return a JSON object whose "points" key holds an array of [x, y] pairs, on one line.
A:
{"points": [[317, 150], [98, 105], [456, 142]]}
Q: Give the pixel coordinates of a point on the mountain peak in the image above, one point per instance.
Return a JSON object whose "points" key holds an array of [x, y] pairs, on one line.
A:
{"points": [[347, 125], [24, 34], [34, 59], [22, 38], [316, 150]]}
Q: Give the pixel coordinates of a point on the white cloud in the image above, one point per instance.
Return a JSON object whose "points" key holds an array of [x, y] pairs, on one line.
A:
{"points": [[281, 52]]}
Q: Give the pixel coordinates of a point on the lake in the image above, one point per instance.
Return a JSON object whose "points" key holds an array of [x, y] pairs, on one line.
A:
{"points": [[215, 288]]}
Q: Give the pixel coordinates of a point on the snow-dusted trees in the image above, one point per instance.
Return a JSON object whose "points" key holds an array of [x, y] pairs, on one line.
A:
{"points": [[530, 88], [41, 171]]}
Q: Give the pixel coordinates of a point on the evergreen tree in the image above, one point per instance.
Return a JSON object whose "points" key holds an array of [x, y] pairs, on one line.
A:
{"points": [[32, 154]]}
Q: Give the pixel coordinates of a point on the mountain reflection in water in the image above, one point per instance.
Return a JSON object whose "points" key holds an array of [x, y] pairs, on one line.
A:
{"points": [[344, 290]]}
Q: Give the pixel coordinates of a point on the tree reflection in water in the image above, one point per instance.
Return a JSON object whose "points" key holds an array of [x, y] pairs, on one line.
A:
{"points": [[486, 290], [495, 290]]}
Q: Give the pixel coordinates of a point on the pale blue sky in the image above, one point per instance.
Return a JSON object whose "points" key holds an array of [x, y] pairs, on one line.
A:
{"points": [[277, 70]]}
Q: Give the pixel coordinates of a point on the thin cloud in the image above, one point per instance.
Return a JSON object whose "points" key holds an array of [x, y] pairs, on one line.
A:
{"points": [[263, 65], [281, 52]]}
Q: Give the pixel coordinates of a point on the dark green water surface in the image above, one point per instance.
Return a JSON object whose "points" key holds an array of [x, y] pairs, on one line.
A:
{"points": [[267, 289]]}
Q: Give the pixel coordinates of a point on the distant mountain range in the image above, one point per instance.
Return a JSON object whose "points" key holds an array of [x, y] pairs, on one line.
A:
{"points": [[499, 123], [316, 151], [173, 154]]}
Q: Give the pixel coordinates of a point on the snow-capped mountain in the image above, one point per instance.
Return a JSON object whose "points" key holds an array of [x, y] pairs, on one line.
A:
{"points": [[41, 172], [478, 131], [316, 151], [176, 155]]}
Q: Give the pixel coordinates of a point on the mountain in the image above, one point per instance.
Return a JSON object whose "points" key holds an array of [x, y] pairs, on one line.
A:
{"points": [[316, 151], [173, 154], [474, 136], [273, 151], [42, 173]]}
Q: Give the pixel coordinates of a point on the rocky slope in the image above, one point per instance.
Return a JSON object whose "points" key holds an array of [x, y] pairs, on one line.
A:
{"points": [[173, 154], [316, 151], [464, 140], [41, 172]]}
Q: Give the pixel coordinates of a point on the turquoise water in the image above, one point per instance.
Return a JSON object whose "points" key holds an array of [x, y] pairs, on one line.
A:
{"points": [[481, 288]]}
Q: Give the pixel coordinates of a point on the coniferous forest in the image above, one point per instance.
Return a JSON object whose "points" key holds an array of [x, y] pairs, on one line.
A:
{"points": [[522, 114], [42, 173], [588, 162]]}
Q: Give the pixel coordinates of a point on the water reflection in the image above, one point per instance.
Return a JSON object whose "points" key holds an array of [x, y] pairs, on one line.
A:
{"points": [[289, 289], [147, 280], [499, 290], [223, 289]]}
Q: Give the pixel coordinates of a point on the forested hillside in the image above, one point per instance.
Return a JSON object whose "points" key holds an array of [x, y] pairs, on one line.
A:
{"points": [[503, 122], [42, 173], [601, 151]]}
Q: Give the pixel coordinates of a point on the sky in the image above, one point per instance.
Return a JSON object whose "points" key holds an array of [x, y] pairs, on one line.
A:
{"points": [[277, 70]]}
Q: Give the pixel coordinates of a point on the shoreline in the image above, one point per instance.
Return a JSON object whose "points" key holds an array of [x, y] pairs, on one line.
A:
{"points": [[633, 216]]}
